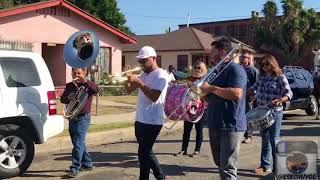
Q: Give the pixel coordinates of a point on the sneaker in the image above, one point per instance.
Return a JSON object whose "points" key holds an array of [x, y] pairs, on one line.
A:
{"points": [[195, 154], [262, 170], [72, 174], [247, 140], [86, 168], [180, 153]]}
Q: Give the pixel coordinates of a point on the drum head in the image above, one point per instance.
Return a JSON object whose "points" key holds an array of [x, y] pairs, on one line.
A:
{"points": [[258, 113]]}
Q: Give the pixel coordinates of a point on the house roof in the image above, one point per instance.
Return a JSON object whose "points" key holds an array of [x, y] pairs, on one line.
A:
{"points": [[184, 39], [181, 39], [45, 4]]}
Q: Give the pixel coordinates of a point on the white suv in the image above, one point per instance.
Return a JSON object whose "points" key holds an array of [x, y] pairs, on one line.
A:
{"points": [[27, 109]]}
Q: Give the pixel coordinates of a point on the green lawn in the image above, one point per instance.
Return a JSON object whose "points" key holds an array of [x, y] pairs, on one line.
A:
{"points": [[103, 109], [121, 99]]}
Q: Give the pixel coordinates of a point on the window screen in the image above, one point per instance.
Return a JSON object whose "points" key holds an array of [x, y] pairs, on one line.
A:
{"points": [[19, 72]]}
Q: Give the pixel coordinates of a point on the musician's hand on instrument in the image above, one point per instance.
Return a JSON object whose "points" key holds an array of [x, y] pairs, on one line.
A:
{"points": [[71, 96], [80, 80], [276, 102], [135, 80], [206, 88]]}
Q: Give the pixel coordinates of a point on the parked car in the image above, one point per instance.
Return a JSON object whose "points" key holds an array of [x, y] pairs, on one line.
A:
{"points": [[28, 113], [302, 86]]}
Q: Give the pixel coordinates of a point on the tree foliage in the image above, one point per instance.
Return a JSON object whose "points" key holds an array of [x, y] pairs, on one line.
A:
{"points": [[290, 36], [105, 10]]}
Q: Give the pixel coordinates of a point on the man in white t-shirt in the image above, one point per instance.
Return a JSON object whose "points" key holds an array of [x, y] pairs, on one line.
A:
{"points": [[152, 85]]}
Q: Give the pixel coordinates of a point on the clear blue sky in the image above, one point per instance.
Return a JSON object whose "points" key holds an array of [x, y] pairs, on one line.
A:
{"points": [[153, 17]]}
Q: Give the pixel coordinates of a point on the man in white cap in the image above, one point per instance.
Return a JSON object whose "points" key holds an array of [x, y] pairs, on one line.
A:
{"points": [[152, 85]]}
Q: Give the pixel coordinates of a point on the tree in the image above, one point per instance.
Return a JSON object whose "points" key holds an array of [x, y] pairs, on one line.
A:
{"points": [[106, 10], [290, 36]]}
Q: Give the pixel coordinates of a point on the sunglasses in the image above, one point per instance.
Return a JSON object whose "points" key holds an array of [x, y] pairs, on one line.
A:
{"points": [[265, 64], [243, 57], [197, 67], [142, 61]]}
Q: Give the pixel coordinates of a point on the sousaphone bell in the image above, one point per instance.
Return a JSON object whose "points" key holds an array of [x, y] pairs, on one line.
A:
{"points": [[81, 49]]}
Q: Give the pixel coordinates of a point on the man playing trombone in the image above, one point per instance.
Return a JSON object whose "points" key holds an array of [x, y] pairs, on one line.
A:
{"points": [[152, 85], [226, 111]]}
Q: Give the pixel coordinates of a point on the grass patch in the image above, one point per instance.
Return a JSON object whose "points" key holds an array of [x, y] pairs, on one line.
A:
{"points": [[103, 109], [120, 99], [103, 127]]}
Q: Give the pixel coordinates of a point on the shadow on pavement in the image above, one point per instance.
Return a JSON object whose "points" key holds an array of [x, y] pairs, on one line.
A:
{"points": [[301, 131], [41, 173], [129, 160], [306, 123]]}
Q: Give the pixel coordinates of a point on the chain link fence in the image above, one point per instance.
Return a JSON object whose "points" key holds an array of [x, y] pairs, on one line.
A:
{"points": [[112, 90]]}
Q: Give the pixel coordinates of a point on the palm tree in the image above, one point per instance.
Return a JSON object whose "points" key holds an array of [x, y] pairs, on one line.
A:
{"points": [[290, 36]]}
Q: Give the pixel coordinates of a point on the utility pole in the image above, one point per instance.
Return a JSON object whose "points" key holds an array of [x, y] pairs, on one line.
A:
{"points": [[188, 21]]}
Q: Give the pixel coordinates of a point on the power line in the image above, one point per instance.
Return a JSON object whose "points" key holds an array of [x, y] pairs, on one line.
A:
{"points": [[171, 17]]}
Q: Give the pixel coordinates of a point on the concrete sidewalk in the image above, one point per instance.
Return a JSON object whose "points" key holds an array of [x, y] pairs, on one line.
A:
{"points": [[116, 135]]}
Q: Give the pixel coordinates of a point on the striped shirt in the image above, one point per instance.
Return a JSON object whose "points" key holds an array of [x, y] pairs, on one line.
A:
{"points": [[268, 88]]}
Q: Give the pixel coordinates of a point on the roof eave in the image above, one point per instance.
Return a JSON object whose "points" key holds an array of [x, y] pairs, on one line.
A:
{"points": [[24, 9]]}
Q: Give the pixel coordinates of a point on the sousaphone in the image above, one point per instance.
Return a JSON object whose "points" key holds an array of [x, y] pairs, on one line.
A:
{"points": [[81, 49]]}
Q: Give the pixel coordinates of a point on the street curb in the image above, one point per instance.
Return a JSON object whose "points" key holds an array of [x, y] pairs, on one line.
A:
{"points": [[97, 138]]}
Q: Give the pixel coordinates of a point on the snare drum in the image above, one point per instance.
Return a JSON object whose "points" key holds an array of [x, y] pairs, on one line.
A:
{"points": [[182, 104], [260, 118]]}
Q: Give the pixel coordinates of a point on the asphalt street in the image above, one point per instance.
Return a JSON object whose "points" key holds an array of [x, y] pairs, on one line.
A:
{"points": [[118, 160]]}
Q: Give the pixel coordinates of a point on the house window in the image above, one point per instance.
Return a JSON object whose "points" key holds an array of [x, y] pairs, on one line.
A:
{"points": [[182, 63], [159, 61], [207, 30], [123, 62], [217, 30], [243, 30], [103, 62], [231, 30]]}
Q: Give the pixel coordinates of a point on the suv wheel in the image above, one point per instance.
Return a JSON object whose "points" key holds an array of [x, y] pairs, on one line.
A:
{"points": [[16, 151], [312, 108]]}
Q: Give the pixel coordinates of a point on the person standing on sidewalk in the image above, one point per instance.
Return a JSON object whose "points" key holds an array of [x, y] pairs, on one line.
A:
{"points": [[199, 70], [226, 111], [152, 85], [272, 88], [79, 125], [252, 75]]}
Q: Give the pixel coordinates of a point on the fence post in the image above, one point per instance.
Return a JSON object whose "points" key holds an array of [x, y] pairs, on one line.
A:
{"points": [[97, 105]]}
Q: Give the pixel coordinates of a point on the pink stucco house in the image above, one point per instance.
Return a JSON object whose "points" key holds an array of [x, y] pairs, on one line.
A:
{"points": [[47, 26]]}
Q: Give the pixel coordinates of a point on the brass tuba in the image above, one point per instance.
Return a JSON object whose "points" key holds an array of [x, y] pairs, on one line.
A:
{"points": [[80, 51]]}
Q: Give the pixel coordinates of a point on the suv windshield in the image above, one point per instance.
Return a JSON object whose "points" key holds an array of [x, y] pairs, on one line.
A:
{"points": [[19, 72]]}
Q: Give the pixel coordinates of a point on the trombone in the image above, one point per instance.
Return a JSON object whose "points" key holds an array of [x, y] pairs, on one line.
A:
{"points": [[215, 71]]}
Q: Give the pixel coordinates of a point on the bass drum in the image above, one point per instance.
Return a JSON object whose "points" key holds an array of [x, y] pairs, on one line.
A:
{"points": [[182, 104]]}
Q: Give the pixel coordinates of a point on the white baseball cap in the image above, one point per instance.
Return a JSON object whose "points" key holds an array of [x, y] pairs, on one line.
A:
{"points": [[146, 52]]}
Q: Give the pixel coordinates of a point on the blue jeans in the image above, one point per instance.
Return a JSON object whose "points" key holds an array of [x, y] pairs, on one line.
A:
{"points": [[225, 147], [78, 129], [146, 135], [270, 137]]}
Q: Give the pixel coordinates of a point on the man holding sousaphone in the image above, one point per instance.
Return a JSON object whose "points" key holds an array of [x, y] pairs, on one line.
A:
{"points": [[226, 110], [80, 51]]}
